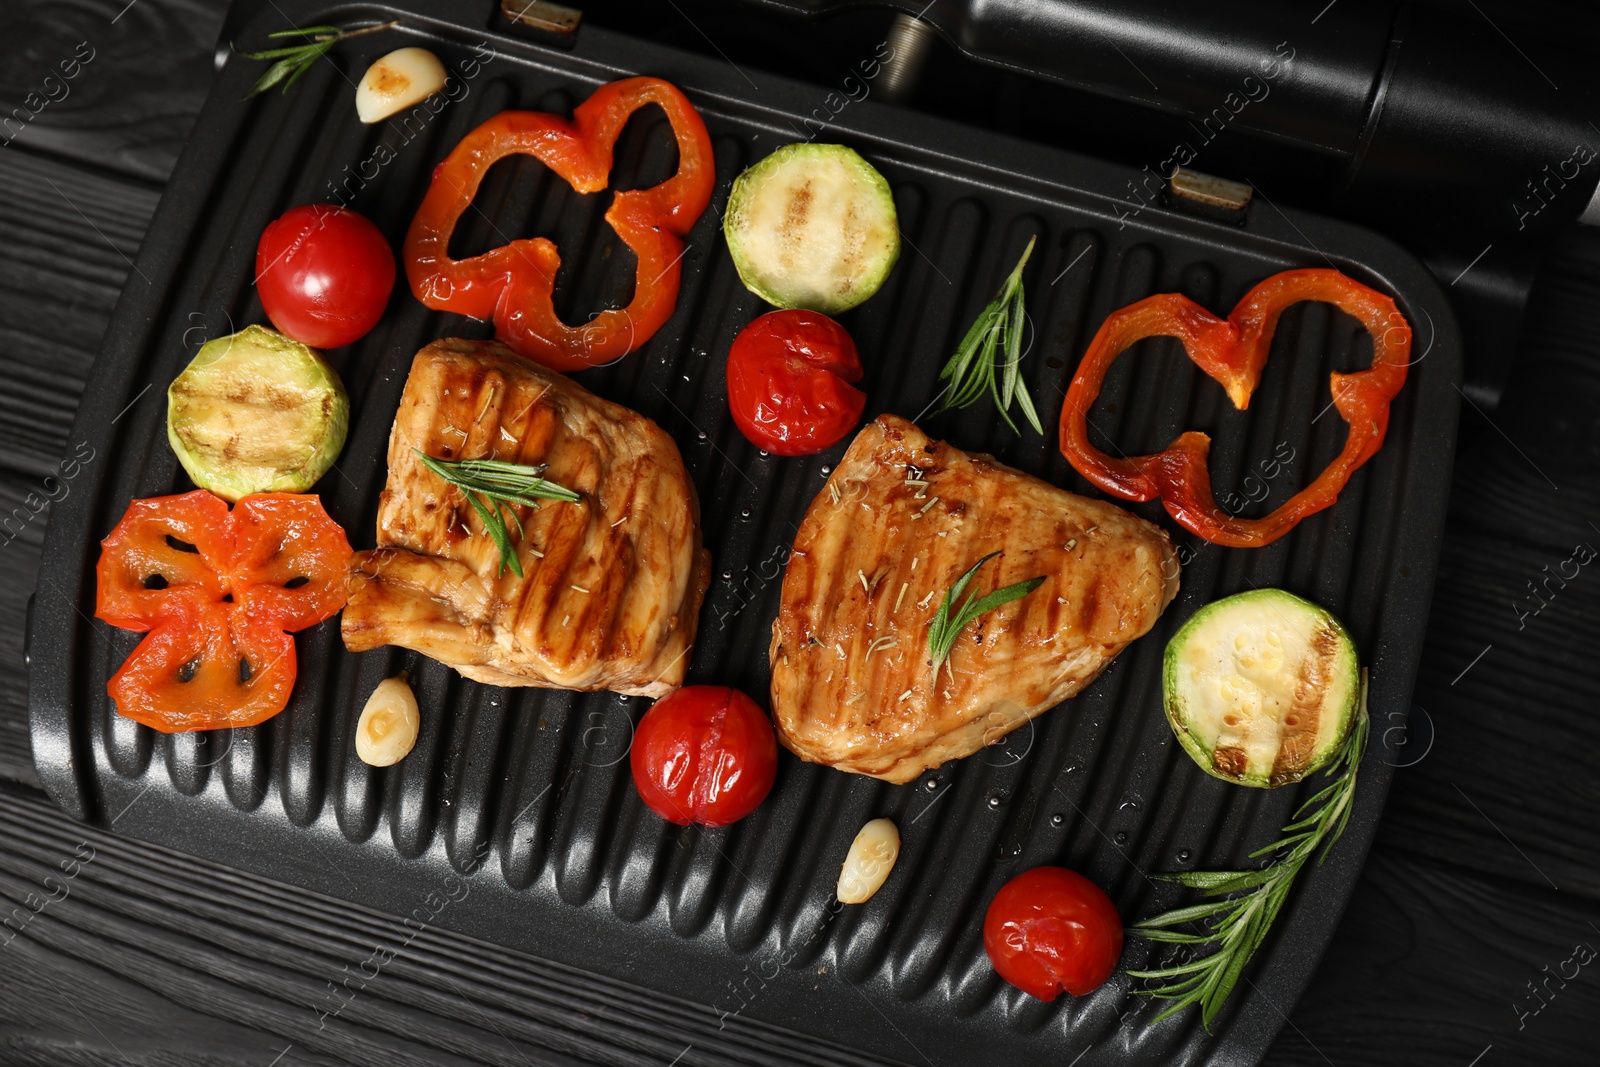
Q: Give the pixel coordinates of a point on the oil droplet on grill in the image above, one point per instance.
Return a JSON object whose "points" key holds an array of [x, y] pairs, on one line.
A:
{"points": [[1057, 819], [933, 784], [995, 798], [1183, 855], [1122, 837], [744, 513]]}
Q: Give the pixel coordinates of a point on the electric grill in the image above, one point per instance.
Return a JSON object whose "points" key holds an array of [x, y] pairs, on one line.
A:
{"points": [[525, 795]]}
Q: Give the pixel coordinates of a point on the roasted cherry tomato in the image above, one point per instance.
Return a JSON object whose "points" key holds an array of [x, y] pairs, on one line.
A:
{"points": [[1051, 929], [324, 274], [704, 754], [789, 375]]}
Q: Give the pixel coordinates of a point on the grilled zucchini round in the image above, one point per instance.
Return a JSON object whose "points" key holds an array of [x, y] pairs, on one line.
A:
{"points": [[255, 412], [1261, 688], [812, 226]]}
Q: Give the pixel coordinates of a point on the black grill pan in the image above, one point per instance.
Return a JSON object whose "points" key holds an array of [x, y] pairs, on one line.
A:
{"points": [[529, 790]]}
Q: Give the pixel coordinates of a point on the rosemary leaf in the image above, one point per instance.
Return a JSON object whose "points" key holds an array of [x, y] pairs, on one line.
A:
{"points": [[308, 31], [1183, 915], [1025, 402], [950, 620], [274, 74], [491, 484], [1238, 924], [1157, 933], [494, 523], [1176, 971], [292, 61], [275, 53], [956, 365], [995, 337], [1014, 313]]}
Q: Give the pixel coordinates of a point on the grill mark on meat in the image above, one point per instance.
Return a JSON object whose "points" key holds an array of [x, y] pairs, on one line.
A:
{"points": [[1089, 603]]}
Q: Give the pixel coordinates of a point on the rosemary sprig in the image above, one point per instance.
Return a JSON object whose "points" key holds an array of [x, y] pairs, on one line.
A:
{"points": [[1239, 923], [489, 485], [995, 334], [951, 620], [293, 61]]}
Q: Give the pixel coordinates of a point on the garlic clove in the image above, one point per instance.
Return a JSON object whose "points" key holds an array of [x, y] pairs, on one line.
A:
{"points": [[389, 723], [400, 79], [869, 861]]}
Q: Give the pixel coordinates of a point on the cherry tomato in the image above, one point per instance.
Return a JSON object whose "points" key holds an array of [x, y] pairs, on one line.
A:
{"points": [[789, 375], [704, 754], [324, 274], [1051, 929]]}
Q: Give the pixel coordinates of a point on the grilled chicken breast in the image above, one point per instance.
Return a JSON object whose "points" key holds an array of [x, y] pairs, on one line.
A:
{"points": [[613, 583], [901, 519]]}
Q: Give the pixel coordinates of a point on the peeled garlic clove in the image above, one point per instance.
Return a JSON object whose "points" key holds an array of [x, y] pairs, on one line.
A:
{"points": [[871, 858], [404, 77], [389, 723]]}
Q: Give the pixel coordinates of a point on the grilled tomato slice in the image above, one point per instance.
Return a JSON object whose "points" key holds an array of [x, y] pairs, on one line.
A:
{"points": [[217, 593]]}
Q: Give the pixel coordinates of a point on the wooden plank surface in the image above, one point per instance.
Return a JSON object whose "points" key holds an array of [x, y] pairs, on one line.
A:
{"points": [[1483, 879], [107, 83]]}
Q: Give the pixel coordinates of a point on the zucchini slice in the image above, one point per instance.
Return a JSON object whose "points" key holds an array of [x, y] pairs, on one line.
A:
{"points": [[255, 412], [1261, 688], [812, 226]]}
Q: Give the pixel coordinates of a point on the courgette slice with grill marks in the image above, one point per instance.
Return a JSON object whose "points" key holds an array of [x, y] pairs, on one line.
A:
{"points": [[1261, 688], [256, 412], [812, 226]]}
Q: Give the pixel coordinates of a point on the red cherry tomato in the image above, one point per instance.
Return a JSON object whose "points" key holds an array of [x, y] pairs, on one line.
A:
{"points": [[704, 754], [1051, 929], [789, 375], [324, 274]]}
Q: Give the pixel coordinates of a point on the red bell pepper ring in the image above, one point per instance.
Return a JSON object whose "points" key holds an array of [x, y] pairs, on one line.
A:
{"points": [[1233, 351], [215, 591], [512, 284]]}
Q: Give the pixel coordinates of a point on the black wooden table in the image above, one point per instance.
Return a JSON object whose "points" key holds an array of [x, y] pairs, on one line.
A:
{"points": [[1471, 938]]}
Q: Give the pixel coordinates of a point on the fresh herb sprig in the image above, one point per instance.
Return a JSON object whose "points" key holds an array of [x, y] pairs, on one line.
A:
{"points": [[491, 484], [1239, 924], [987, 358], [951, 620], [291, 62]]}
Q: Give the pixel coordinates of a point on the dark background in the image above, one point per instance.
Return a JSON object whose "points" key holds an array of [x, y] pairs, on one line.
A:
{"points": [[1483, 878]]}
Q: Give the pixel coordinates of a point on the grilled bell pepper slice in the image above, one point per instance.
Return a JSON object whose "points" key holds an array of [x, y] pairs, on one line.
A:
{"points": [[1233, 351], [513, 283], [216, 592]]}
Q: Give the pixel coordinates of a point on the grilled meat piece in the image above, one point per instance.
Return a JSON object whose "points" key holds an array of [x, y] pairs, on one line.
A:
{"points": [[613, 583], [902, 518]]}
